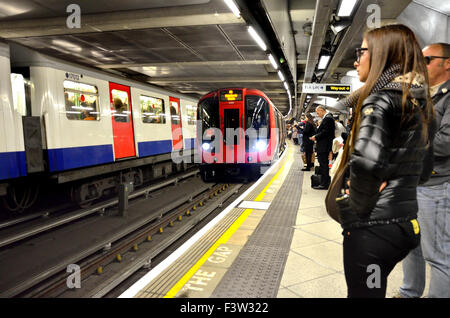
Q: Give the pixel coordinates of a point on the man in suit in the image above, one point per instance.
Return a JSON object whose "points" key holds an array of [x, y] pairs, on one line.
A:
{"points": [[324, 139]]}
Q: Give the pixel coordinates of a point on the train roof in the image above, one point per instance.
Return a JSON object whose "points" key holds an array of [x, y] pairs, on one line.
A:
{"points": [[22, 56]]}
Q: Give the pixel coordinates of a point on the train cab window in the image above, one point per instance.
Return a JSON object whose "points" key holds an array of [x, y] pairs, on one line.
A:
{"points": [[191, 114], [208, 113], [121, 106], [152, 110], [81, 101], [175, 116], [257, 116], [257, 112]]}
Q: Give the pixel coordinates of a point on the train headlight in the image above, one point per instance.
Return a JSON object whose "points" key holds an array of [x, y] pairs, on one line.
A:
{"points": [[206, 146], [261, 145]]}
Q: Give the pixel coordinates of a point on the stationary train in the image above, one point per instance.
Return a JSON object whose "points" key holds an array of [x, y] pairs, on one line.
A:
{"points": [[84, 127], [240, 133]]}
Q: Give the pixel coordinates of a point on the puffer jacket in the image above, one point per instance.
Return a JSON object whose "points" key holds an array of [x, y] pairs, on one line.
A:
{"points": [[386, 150]]}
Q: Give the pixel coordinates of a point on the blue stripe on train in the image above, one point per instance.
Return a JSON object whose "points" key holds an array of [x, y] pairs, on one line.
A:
{"points": [[76, 157], [150, 148], [12, 165]]}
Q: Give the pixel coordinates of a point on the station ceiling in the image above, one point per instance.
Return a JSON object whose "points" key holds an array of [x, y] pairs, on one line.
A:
{"points": [[190, 46]]}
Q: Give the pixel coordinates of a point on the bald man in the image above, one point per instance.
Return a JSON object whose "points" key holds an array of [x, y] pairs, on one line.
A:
{"points": [[324, 139], [433, 197]]}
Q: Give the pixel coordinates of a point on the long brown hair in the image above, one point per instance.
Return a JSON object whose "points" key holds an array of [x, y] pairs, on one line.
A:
{"points": [[392, 45]]}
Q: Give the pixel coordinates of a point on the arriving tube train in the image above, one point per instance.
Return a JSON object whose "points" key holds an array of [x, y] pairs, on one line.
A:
{"points": [[240, 132], [85, 127]]}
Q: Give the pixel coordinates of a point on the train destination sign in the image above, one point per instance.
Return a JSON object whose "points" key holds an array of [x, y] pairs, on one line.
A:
{"points": [[321, 88], [230, 95]]}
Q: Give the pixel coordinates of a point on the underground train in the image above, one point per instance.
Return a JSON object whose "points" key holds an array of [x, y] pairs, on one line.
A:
{"points": [[85, 127], [240, 133]]}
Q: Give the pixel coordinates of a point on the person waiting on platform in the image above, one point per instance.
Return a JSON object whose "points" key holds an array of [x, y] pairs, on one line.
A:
{"points": [[308, 144], [324, 139], [392, 132], [295, 134], [433, 196]]}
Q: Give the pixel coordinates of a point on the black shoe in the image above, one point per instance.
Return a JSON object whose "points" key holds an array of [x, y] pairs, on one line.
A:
{"points": [[306, 169], [321, 187]]}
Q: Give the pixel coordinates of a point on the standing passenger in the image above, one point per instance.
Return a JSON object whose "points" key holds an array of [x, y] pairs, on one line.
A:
{"points": [[391, 134], [324, 138], [433, 196], [308, 145]]}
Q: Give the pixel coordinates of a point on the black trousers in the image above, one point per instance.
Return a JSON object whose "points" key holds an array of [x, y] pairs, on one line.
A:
{"points": [[371, 253], [324, 170], [309, 163]]}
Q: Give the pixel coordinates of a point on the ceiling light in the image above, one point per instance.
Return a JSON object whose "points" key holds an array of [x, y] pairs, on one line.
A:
{"points": [[233, 7], [323, 62], [280, 75], [272, 61], [257, 38], [346, 8]]}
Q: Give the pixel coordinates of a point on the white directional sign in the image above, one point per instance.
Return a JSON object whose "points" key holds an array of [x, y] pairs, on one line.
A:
{"points": [[321, 88]]}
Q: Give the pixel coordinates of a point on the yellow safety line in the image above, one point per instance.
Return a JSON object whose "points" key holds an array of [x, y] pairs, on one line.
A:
{"points": [[222, 240]]}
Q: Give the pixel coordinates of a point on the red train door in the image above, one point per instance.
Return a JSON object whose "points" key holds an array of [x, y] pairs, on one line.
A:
{"points": [[175, 116], [122, 121], [231, 110]]}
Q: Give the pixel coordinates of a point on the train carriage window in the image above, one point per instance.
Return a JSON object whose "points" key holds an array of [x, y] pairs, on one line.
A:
{"points": [[121, 106], [81, 101], [152, 110], [191, 114]]}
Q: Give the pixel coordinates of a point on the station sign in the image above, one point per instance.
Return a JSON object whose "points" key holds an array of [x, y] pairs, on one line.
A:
{"points": [[321, 88]]}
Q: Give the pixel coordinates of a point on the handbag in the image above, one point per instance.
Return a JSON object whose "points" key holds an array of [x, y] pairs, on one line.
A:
{"points": [[332, 194]]}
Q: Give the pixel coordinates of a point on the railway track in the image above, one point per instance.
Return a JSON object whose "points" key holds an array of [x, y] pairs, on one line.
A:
{"points": [[123, 244]]}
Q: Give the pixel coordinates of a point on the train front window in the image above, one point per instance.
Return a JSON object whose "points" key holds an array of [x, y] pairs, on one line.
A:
{"points": [[208, 113], [257, 118], [256, 112], [81, 101]]}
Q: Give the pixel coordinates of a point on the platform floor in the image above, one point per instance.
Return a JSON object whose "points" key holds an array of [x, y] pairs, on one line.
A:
{"points": [[277, 241]]}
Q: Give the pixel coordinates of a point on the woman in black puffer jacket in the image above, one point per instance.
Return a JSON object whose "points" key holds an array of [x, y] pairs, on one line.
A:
{"points": [[384, 157]]}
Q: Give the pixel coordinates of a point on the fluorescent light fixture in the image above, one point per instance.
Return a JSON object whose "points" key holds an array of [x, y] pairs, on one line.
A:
{"points": [[346, 8], [233, 7], [280, 75], [257, 38], [272, 61], [286, 86], [323, 62], [67, 45]]}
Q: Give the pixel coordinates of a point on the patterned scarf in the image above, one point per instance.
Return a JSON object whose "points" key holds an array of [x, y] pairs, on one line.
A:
{"points": [[390, 78]]}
